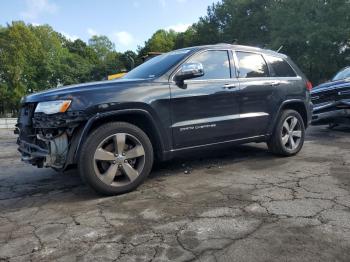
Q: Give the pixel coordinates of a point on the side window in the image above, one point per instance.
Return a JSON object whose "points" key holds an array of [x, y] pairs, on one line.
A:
{"points": [[215, 63], [280, 68], [251, 65]]}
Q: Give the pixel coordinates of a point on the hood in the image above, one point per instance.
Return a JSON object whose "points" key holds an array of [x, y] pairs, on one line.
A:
{"points": [[330, 85], [67, 92]]}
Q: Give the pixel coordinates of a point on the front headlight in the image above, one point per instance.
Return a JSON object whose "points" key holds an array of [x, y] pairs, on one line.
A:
{"points": [[53, 107]]}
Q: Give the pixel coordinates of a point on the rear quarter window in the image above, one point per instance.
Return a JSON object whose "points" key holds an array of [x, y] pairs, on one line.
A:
{"points": [[279, 67]]}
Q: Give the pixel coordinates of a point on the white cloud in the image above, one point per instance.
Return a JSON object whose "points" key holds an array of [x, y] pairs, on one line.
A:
{"points": [[179, 27], [91, 32], [123, 38], [69, 36], [36, 7]]}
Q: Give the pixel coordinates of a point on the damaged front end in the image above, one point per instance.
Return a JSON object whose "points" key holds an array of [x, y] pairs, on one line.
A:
{"points": [[48, 140], [331, 105]]}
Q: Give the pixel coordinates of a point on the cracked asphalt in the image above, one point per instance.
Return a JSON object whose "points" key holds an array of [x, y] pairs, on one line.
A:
{"points": [[237, 204]]}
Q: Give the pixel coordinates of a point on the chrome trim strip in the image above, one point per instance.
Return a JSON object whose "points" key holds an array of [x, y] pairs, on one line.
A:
{"points": [[334, 103], [257, 114], [218, 143], [218, 119], [347, 92], [190, 81], [323, 106]]}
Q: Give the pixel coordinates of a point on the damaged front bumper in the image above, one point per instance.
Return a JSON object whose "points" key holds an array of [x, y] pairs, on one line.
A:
{"points": [[48, 140], [336, 112]]}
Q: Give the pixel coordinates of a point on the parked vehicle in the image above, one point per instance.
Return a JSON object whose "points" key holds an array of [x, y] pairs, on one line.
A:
{"points": [[332, 100], [188, 99]]}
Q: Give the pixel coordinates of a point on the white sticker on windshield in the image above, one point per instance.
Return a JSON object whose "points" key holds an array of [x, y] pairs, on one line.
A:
{"points": [[180, 52]]}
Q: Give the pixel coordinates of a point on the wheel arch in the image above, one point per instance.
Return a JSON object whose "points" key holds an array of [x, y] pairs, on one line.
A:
{"points": [[294, 104], [138, 117]]}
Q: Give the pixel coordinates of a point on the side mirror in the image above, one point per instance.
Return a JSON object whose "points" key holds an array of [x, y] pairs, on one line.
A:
{"points": [[188, 71]]}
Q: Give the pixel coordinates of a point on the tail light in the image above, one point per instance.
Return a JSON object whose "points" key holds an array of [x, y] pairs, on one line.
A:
{"points": [[308, 85]]}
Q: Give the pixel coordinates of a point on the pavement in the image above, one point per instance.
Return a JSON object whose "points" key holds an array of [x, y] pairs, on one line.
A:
{"points": [[237, 204]]}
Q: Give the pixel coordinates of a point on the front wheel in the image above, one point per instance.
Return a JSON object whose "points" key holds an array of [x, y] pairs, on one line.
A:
{"points": [[288, 135], [116, 158]]}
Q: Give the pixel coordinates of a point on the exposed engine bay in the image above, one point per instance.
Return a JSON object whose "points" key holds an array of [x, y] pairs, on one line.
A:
{"points": [[45, 140], [57, 147]]}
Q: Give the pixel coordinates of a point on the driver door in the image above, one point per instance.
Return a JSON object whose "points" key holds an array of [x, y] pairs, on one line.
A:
{"points": [[205, 110]]}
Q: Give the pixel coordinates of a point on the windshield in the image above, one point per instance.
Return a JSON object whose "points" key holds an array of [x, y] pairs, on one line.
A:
{"points": [[345, 73], [157, 66]]}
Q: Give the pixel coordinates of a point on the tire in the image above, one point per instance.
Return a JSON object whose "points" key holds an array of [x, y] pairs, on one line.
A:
{"points": [[280, 142], [115, 158]]}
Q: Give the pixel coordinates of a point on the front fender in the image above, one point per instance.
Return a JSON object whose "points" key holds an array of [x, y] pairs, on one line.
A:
{"points": [[83, 133]]}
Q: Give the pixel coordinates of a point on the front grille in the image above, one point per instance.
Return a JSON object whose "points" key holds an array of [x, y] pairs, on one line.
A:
{"points": [[323, 97], [344, 93]]}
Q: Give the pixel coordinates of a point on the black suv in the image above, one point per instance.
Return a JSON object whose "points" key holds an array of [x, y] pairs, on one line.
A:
{"points": [[184, 100]]}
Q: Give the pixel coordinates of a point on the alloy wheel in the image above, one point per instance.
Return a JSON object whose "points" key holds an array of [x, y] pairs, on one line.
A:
{"points": [[119, 159], [291, 133]]}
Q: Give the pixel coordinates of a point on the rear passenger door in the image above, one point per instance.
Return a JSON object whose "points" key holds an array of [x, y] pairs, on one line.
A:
{"points": [[257, 98]]}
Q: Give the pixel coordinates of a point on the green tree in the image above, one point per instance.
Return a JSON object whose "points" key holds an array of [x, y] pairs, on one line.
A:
{"points": [[33, 58], [316, 34], [230, 21], [161, 41], [108, 60], [187, 38], [102, 46], [129, 60], [19, 52], [51, 59], [80, 62]]}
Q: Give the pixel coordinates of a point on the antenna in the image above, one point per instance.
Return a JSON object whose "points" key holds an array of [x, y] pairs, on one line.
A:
{"points": [[279, 49]]}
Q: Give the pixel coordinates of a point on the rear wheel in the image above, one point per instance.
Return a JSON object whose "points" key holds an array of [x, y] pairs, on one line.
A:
{"points": [[288, 135], [116, 158]]}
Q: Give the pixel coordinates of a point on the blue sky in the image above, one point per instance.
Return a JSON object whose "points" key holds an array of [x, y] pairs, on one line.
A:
{"points": [[127, 23]]}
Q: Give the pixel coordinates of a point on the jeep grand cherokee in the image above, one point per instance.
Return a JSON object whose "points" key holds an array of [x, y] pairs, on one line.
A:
{"points": [[184, 100]]}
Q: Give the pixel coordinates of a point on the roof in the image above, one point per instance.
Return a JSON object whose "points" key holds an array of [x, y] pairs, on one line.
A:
{"points": [[237, 48]]}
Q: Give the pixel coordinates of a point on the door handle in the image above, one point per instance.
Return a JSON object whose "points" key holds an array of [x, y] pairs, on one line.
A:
{"points": [[230, 86], [276, 83]]}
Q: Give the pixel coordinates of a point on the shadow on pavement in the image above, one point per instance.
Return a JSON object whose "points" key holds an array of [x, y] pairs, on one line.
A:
{"points": [[19, 184]]}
